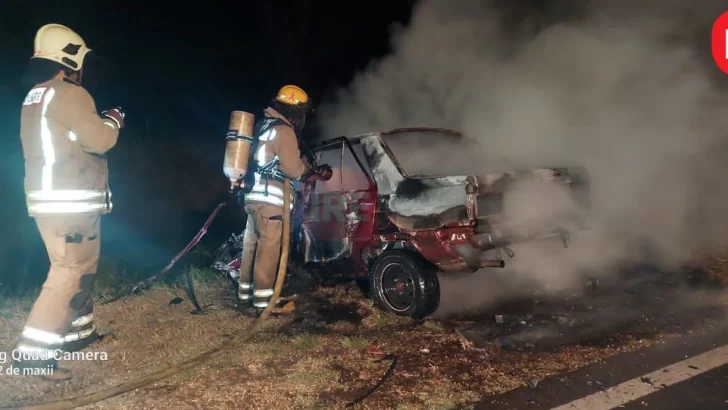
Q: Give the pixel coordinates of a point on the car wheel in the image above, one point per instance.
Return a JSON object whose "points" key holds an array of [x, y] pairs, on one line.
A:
{"points": [[405, 284]]}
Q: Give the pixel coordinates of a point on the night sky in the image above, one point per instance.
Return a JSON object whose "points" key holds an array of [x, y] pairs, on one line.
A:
{"points": [[192, 64], [178, 69]]}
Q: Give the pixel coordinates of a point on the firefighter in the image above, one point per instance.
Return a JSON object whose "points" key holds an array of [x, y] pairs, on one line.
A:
{"points": [[64, 143], [279, 156]]}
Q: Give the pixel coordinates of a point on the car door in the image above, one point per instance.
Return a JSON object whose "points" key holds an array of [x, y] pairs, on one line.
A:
{"points": [[359, 194], [323, 220]]}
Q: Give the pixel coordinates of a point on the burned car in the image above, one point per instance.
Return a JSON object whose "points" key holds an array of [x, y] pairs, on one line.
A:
{"points": [[397, 232]]}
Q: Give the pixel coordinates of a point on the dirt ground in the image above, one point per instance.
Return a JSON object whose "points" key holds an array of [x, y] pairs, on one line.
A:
{"points": [[326, 354]]}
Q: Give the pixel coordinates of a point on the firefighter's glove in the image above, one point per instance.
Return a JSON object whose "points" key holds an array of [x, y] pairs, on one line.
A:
{"points": [[323, 172], [116, 115], [320, 173]]}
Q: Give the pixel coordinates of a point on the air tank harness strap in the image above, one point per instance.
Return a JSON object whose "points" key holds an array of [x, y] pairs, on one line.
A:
{"points": [[266, 171]]}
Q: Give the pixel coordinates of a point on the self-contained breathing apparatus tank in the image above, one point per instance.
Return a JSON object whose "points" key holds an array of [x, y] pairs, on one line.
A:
{"points": [[238, 149]]}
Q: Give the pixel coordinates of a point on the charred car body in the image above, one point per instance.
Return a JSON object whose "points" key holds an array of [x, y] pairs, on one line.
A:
{"points": [[398, 232]]}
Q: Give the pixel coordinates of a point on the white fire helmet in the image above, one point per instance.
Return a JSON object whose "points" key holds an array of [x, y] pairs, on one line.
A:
{"points": [[60, 44]]}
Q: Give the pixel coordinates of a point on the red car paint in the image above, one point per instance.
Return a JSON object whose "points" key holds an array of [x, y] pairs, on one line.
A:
{"points": [[347, 220]]}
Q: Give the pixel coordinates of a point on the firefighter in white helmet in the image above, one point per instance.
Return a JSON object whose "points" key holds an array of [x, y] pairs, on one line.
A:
{"points": [[64, 143], [279, 153]]}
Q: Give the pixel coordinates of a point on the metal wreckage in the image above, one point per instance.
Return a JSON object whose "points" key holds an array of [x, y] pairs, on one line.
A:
{"points": [[373, 221], [396, 232]]}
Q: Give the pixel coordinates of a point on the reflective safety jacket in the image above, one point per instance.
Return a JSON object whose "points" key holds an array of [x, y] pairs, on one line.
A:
{"points": [[279, 141], [64, 141]]}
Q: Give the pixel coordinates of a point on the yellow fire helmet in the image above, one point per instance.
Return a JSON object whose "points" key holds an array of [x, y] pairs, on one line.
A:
{"points": [[292, 95], [59, 43]]}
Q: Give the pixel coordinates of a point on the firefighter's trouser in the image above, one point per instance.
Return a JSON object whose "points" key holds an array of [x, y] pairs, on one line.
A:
{"points": [[261, 251], [62, 317]]}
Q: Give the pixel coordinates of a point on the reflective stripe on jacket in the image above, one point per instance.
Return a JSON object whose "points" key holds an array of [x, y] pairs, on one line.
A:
{"points": [[277, 142], [64, 141]]}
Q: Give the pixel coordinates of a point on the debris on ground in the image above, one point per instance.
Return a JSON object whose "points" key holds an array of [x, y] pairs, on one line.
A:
{"points": [[331, 350], [643, 304], [176, 301]]}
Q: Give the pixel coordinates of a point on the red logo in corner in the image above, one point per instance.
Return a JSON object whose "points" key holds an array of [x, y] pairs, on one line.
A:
{"points": [[719, 42]]}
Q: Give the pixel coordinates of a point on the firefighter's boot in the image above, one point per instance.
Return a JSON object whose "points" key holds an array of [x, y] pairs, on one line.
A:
{"points": [[249, 310], [245, 278], [284, 308], [83, 331], [45, 369]]}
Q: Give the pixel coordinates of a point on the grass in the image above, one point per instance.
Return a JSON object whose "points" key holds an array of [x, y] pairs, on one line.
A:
{"points": [[312, 370], [312, 380], [109, 284], [433, 325], [17, 302], [305, 342], [447, 396], [308, 379], [343, 327], [383, 319], [267, 346], [203, 276], [354, 342]]}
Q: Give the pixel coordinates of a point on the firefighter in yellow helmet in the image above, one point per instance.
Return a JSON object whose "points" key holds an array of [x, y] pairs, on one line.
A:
{"points": [[64, 143], [279, 155]]}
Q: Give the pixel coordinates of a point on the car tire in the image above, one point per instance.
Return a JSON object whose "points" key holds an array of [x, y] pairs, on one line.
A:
{"points": [[405, 284]]}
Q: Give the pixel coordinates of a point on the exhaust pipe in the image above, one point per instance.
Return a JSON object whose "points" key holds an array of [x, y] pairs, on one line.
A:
{"points": [[493, 263], [493, 241]]}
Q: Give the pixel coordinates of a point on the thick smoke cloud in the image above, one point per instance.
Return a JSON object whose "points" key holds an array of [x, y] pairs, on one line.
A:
{"points": [[626, 89]]}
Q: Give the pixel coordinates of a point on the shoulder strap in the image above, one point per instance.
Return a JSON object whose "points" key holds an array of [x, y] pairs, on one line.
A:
{"points": [[260, 128], [265, 170], [69, 81], [265, 124]]}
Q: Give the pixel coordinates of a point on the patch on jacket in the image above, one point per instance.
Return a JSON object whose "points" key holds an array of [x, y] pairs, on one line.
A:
{"points": [[35, 96]]}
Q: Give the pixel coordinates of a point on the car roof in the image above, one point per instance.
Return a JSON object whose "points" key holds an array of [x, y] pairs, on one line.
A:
{"points": [[391, 133]]}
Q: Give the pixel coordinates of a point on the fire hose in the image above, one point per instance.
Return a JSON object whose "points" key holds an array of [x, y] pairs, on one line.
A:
{"points": [[190, 291], [91, 398]]}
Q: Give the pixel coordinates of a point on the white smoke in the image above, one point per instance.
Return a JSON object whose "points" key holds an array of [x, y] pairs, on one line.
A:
{"points": [[626, 89]]}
